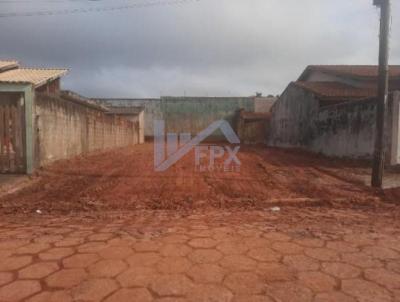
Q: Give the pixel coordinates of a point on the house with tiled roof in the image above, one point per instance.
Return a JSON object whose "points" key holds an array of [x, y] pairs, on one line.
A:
{"points": [[18, 87], [331, 109], [8, 64], [40, 79], [39, 123]]}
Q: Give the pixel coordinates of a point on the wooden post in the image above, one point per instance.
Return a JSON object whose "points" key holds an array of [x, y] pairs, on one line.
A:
{"points": [[383, 83]]}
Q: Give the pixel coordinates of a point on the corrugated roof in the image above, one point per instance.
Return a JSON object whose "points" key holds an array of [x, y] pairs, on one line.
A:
{"points": [[360, 71], [8, 64], [335, 91], [35, 76]]}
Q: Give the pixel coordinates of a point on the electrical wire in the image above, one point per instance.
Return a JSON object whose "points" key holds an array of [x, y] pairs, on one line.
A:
{"points": [[53, 1], [95, 9]]}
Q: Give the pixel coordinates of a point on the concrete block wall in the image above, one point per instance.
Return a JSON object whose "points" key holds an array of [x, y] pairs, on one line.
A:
{"points": [[139, 120], [64, 129], [186, 114], [292, 117], [152, 110], [192, 115], [252, 128], [395, 128], [264, 104], [341, 130], [346, 130]]}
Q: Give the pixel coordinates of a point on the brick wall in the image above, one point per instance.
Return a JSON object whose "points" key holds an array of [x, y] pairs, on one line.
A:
{"points": [[65, 128]]}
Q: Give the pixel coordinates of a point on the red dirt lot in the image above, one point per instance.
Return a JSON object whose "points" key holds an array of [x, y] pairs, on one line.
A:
{"points": [[127, 233], [125, 179]]}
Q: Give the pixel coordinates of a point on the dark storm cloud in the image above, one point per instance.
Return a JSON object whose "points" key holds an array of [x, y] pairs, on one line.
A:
{"points": [[207, 47]]}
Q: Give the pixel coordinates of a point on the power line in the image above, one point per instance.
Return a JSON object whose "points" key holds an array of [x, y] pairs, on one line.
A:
{"points": [[54, 1], [94, 9]]}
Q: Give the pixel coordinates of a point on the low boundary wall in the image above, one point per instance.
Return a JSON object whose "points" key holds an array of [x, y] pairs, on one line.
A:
{"points": [[252, 128], [348, 130], [65, 127], [191, 114]]}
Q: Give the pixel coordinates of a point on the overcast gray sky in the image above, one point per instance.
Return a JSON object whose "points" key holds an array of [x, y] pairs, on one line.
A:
{"points": [[204, 47]]}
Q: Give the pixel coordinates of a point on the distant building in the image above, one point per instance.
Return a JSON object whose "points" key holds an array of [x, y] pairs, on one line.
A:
{"points": [[191, 114], [332, 110]]}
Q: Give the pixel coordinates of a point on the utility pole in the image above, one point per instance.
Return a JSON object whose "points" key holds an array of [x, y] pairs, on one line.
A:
{"points": [[383, 83]]}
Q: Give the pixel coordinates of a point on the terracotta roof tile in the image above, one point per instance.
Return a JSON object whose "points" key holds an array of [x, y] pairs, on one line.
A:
{"points": [[336, 90], [34, 76], [362, 71], [7, 64]]}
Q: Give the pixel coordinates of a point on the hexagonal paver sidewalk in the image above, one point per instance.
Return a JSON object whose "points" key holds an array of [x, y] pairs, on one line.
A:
{"points": [[214, 256]]}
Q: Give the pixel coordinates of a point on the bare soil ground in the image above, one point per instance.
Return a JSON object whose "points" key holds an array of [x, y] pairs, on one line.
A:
{"points": [[125, 179], [200, 236]]}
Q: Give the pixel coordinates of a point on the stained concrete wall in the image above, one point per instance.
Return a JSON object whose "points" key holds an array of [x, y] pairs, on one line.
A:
{"points": [[186, 114], [140, 120], [64, 129], [192, 115], [137, 118], [291, 122], [252, 128], [343, 130], [348, 129], [395, 129], [152, 110], [264, 104]]}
